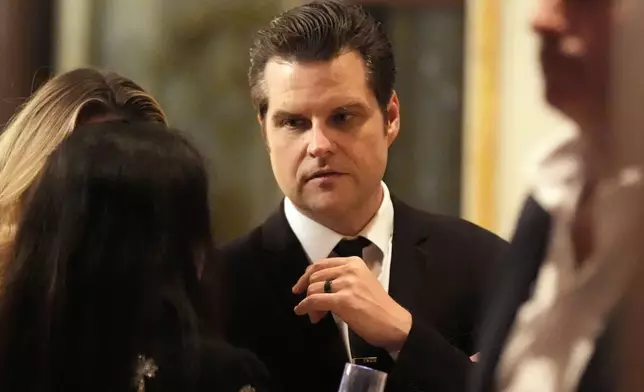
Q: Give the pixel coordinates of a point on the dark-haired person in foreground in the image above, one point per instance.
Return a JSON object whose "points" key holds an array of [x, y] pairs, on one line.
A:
{"points": [[103, 288], [70, 99], [342, 270]]}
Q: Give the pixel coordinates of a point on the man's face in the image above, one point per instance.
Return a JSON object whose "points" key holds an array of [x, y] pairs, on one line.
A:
{"points": [[327, 137], [575, 43]]}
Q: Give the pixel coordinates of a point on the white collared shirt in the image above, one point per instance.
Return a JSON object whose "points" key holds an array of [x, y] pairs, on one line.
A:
{"points": [[554, 332], [318, 242]]}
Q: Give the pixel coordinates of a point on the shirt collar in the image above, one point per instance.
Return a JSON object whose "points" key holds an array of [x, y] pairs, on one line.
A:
{"points": [[318, 241], [559, 174]]}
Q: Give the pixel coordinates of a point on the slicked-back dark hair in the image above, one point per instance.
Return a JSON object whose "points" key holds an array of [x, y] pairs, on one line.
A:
{"points": [[320, 31]]}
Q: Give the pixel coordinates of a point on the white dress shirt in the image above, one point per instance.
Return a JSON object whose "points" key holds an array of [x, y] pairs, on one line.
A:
{"points": [[318, 242], [554, 332]]}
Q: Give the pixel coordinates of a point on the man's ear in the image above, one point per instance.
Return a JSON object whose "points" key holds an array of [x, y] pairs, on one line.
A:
{"points": [[262, 127], [393, 118]]}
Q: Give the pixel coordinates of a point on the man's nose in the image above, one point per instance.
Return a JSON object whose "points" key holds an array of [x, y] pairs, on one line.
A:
{"points": [[320, 144]]}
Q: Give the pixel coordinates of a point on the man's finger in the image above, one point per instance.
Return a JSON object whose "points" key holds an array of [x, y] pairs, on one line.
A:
{"points": [[316, 303], [315, 317], [327, 274], [303, 282], [318, 287]]}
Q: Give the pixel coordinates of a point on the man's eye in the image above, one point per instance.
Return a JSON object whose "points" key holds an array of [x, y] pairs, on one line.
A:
{"points": [[294, 123], [341, 118]]}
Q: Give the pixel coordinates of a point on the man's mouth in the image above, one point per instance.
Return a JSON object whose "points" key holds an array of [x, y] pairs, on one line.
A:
{"points": [[323, 174]]}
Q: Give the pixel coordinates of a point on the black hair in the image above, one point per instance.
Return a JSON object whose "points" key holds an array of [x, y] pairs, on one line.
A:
{"points": [[106, 262], [320, 31]]}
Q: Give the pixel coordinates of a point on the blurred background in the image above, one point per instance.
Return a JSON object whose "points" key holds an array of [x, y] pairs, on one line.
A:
{"points": [[468, 83]]}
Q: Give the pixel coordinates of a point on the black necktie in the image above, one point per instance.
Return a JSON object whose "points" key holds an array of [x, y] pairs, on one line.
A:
{"points": [[362, 352]]}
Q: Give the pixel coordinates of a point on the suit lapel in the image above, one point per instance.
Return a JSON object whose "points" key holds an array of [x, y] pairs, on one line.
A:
{"points": [[286, 262], [410, 265], [420, 271]]}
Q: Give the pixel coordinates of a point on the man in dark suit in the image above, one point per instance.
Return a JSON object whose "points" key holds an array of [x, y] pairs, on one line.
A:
{"points": [[551, 322], [343, 271]]}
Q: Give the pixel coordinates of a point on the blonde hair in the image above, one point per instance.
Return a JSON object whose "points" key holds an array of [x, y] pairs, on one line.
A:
{"points": [[52, 112]]}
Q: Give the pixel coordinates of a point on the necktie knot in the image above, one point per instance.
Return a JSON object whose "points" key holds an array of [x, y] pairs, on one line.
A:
{"points": [[351, 247]]}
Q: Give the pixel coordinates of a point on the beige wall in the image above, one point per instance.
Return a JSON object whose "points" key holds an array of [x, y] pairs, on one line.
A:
{"points": [[73, 34]]}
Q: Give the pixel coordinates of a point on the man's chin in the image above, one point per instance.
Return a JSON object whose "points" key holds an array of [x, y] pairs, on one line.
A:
{"points": [[561, 101], [575, 111], [325, 203]]}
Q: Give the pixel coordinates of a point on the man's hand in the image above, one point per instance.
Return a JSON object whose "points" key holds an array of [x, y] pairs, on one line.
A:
{"points": [[357, 298]]}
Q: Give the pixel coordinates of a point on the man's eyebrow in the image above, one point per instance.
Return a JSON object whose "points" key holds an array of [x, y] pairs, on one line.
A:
{"points": [[353, 105], [280, 114]]}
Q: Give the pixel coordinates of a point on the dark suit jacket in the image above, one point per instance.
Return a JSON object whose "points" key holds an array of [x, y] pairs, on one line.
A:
{"points": [[438, 264], [517, 275]]}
